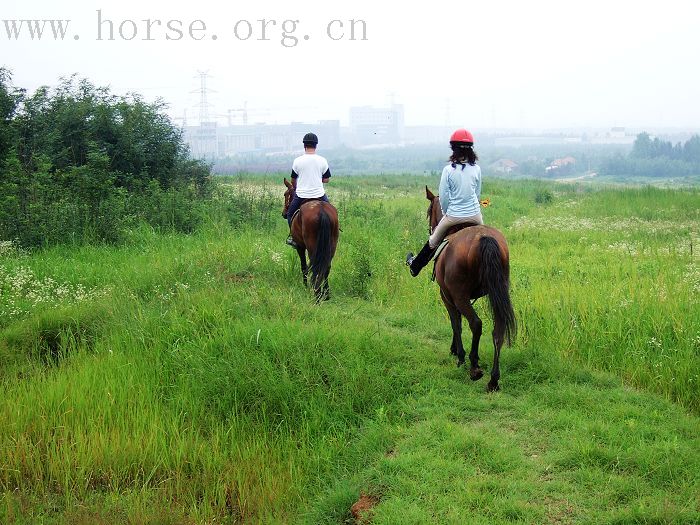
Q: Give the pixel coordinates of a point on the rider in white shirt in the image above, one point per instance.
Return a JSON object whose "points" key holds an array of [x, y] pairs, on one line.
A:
{"points": [[309, 172]]}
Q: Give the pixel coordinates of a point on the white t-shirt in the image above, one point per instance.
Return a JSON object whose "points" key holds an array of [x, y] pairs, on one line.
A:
{"points": [[309, 170]]}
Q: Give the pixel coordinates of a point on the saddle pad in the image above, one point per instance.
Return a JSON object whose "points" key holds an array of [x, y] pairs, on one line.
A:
{"points": [[441, 247]]}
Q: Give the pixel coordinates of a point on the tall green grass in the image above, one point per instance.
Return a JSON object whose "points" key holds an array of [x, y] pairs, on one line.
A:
{"points": [[199, 383]]}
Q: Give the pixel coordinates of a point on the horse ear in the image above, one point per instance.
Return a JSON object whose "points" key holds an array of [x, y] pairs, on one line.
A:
{"points": [[429, 194], [286, 182]]}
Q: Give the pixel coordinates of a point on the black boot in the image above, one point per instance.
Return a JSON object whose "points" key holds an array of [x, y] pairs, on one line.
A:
{"points": [[417, 263], [290, 241]]}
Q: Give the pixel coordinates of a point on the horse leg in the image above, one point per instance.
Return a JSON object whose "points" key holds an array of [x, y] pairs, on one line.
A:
{"points": [[475, 372], [498, 332], [457, 349], [321, 288], [318, 284], [304, 266]]}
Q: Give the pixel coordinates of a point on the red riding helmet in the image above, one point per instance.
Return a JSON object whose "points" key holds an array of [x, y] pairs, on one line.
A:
{"points": [[462, 136]]}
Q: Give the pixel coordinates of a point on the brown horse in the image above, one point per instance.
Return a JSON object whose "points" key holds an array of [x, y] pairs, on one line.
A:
{"points": [[314, 229], [474, 264]]}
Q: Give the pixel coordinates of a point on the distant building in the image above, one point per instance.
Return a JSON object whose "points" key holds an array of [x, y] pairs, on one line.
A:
{"points": [[427, 135], [202, 140], [558, 164], [615, 135], [528, 140], [504, 166], [617, 132], [210, 141], [370, 125]]}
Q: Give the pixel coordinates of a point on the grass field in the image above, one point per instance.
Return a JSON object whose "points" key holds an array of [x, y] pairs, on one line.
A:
{"points": [[192, 379]]}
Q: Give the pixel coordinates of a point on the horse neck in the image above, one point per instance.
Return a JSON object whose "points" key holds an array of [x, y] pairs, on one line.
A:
{"points": [[437, 213]]}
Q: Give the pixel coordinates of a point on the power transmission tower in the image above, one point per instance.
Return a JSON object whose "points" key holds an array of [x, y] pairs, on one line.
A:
{"points": [[203, 91]]}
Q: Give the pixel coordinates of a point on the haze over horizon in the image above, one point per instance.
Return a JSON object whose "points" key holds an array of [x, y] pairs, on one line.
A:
{"points": [[543, 64]]}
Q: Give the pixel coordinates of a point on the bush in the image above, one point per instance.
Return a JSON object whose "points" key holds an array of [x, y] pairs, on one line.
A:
{"points": [[544, 197]]}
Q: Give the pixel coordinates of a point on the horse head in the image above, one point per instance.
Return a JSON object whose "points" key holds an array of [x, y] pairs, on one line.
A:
{"points": [[288, 196], [434, 210]]}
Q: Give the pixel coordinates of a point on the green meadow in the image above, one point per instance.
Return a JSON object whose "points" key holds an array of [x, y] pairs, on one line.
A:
{"points": [[191, 379]]}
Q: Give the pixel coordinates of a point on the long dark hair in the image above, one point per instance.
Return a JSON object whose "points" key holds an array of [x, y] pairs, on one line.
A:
{"points": [[463, 154]]}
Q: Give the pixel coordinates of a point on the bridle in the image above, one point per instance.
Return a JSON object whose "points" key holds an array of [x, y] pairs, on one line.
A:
{"points": [[288, 196]]}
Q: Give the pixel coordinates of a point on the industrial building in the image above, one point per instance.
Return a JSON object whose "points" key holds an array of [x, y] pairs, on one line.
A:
{"points": [[211, 141]]}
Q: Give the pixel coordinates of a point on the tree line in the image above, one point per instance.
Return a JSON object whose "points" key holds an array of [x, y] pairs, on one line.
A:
{"points": [[656, 158], [80, 164]]}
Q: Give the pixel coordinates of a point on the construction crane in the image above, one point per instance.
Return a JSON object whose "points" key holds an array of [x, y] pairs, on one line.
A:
{"points": [[182, 119], [243, 113]]}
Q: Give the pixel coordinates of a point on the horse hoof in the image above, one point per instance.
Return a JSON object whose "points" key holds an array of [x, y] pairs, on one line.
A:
{"points": [[460, 362], [476, 373], [492, 387]]}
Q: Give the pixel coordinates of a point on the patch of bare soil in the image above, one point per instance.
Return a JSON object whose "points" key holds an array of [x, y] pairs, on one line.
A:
{"points": [[361, 510]]}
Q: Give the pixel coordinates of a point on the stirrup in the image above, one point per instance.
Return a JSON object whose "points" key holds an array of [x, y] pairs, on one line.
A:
{"points": [[290, 242]]}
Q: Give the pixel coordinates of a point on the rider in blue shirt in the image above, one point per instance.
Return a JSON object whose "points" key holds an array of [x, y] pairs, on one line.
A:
{"points": [[460, 191]]}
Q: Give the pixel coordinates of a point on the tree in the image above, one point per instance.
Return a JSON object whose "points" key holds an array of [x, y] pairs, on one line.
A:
{"points": [[9, 100], [81, 164], [691, 150], [642, 148], [139, 138]]}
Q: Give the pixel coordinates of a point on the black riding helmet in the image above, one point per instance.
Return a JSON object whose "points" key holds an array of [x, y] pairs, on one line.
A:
{"points": [[310, 140]]}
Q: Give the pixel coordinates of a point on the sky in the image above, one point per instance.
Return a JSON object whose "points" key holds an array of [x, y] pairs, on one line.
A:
{"points": [[539, 64]]}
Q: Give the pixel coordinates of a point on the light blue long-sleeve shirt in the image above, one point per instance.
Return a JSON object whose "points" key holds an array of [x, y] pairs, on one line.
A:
{"points": [[460, 190]]}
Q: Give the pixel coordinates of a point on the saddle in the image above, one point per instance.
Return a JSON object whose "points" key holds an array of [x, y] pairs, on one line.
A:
{"points": [[450, 233], [457, 227], [306, 201]]}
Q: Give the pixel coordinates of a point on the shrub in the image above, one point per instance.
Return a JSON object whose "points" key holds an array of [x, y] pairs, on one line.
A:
{"points": [[544, 197]]}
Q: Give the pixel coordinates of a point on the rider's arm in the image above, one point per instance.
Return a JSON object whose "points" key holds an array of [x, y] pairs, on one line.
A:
{"points": [[294, 177], [445, 190], [326, 176]]}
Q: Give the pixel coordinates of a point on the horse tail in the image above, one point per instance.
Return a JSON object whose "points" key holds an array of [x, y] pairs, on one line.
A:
{"points": [[321, 258], [495, 282]]}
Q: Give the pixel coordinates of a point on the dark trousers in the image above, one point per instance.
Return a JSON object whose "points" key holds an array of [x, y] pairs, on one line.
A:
{"points": [[296, 204]]}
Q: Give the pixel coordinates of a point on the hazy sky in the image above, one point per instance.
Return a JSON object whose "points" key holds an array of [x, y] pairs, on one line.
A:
{"points": [[536, 64]]}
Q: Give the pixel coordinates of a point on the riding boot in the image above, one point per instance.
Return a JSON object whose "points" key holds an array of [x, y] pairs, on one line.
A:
{"points": [[418, 262], [291, 242]]}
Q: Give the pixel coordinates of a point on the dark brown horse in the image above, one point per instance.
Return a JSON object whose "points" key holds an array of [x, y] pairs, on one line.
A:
{"points": [[474, 264], [314, 229]]}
